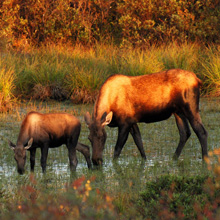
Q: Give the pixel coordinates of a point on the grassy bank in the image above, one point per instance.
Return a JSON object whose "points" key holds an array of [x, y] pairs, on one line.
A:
{"points": [[76, 73], [129, 188]]}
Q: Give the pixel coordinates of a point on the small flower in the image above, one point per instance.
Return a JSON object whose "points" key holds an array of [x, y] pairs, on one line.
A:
{"points": [[19, 207], [87, 186]]}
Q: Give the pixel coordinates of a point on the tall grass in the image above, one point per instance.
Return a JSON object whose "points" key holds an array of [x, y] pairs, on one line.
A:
{"points": [[7, 86], [211, 71], [76, 73], [184, 56]]}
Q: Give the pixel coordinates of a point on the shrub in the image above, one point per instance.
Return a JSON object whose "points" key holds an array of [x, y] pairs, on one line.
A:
{"points": [[180, 197], [79, 200], [137, 23]]}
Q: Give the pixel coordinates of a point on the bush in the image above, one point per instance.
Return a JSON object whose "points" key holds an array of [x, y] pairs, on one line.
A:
{"points": [[77, 201], [136, 23], [180, 197]]}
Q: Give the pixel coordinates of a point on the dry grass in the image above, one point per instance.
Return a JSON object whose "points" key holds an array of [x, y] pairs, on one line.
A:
{"points": [[54, 91], [80, 96]]}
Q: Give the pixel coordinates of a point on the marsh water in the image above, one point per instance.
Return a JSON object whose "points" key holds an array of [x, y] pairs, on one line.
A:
{"points": [[160, 142]]}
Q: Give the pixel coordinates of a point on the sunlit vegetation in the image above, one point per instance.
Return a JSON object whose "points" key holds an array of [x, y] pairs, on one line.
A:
{"points": [[128, 23], [63, 72], [7, 87]]}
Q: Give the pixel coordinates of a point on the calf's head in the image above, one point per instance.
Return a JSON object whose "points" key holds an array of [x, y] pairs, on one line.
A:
{"points": [[20, 154], [97, 135]]}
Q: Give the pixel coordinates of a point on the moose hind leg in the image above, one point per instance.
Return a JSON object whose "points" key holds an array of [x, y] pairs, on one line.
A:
{"points": [[184, 132], [135, 132], [201, 133]]}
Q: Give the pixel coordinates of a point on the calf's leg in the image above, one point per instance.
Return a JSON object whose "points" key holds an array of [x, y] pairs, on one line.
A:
{"points": [[184, 132], [84, 149], [71, 146], [135, 132]]}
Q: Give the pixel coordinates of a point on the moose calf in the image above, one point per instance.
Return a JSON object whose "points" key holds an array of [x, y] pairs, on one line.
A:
{"points": [[46, 131]]}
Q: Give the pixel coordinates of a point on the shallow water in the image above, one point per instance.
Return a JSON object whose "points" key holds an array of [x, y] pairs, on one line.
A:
{"points": [[160, 141]]}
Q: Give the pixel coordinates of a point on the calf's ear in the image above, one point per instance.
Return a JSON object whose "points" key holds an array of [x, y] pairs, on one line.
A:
{"points": [[11, 145], [30, 142], [87, 118]]}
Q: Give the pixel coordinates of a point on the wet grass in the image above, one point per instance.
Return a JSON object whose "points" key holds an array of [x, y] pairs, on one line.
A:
{"points": [[117, 186]]}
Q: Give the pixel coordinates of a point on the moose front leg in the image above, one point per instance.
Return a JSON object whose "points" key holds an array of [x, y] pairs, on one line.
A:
{"points": [[123, 132], [44, 154], [32, 158], [135, 132]]}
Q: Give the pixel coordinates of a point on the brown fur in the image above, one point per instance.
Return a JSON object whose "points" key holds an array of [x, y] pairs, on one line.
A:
{"points": [[48, 131], [149, 98]]}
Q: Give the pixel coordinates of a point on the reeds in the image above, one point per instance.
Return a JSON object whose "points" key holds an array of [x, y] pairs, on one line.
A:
{"points": [[66, 72], [7, 86], [211, 71]]}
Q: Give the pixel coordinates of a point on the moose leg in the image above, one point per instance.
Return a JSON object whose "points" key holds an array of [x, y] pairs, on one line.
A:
{"points": [[122, 138], [135, 132], [201, 133], [44, 154], [71, 146], [84, 149], [184, 132], [32, 158]]}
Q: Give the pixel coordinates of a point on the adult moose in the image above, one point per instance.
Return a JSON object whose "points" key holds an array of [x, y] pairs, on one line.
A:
{"points": [[123, 101], [48, 131]]}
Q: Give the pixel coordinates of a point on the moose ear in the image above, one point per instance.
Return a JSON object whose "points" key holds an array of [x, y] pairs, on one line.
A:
{"points": [[11, 145], [87, 118], [106, 119], [30, 142]]}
